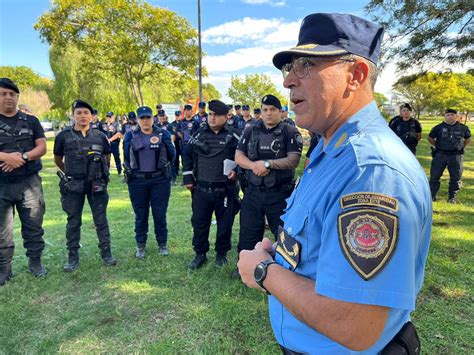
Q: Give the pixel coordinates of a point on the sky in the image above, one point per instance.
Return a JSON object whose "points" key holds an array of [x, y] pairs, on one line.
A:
{"points": [[238, 36]]}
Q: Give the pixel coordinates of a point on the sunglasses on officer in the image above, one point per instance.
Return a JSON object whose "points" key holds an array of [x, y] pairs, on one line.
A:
{"points": [[301, 65]]}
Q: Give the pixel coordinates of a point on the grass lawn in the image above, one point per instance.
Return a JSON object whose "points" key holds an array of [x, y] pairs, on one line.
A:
{"points": [[157, 306]]}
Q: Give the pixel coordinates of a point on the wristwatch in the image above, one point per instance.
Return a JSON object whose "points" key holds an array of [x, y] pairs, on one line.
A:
{"points": [[267, 165], [25, 156], [260, 273]]}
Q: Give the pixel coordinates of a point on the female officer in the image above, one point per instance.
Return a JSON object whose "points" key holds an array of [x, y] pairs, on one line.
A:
{"points": [[148, 152]]}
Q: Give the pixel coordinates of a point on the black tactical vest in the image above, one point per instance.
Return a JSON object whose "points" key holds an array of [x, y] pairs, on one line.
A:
{"points": [[265, 146], [18, 139], [83, 157], [156, 147], [210, 151], [451, 138], [407, 132]]}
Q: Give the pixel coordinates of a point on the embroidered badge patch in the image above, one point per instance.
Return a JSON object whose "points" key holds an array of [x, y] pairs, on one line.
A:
{"points": [[288, 247], [369, 199], [154, 139], [367, 238]]}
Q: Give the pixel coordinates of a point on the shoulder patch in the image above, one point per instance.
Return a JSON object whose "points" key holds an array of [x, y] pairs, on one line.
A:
{"points": [[369, 199], [368, 238], [288, 247]]}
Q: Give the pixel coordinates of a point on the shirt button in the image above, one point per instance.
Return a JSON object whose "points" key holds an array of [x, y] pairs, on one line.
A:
{"points": [[310, 170], [289, 230]]}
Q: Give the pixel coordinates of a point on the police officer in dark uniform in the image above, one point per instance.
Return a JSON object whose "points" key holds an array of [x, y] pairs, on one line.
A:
{"points": [[407, 128], [201, 116], [212, 190], [95, 123], [112, 130], [148, 154], [449, 139], [177, 143], [187, 127], [269, 152], [81, 154], [131, 124], [285, 118], [164, 124], [22, 144], [246, 120], [257, 113], [238, 110]]}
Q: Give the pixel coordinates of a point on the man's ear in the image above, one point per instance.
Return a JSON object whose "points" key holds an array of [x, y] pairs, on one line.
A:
{"points": [[360, 74]]}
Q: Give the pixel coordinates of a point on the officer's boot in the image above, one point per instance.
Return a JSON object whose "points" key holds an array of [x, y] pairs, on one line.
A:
{"points": [[107, 257], [5, 265], [140, 253], [36, 268], [72, 261], [198, 261]]}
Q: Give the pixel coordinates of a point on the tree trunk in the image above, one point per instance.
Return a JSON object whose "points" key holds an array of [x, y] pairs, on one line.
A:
{"points": [[129, 76]]}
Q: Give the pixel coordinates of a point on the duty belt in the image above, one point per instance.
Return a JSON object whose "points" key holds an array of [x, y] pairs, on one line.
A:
{"points": [[263, 188], [451, 152], [147, 176], [210, 187], [14, 179]]}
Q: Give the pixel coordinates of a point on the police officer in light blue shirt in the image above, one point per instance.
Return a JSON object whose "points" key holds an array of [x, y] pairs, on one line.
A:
{"points": [[349, 260]]}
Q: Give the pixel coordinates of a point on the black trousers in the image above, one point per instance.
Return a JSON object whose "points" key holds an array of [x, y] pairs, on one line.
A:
{"points": [[115, 150], [255, 206], [73, 204], [177, 145], [455, 168], [26, 195], [225, 205]]}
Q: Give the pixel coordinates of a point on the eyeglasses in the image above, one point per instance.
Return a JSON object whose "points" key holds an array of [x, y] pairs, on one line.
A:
{"points": [[300, 66], [6, 93]]}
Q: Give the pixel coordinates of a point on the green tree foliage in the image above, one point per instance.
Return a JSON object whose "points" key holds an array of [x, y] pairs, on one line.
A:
{"points": [[25, 78], [251, 88], [130, 39], [435, 92], [380, 99], [423, 33]]}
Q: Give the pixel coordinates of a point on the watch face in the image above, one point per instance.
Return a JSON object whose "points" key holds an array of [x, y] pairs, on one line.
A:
{"points": [[259, 272], [267, 164]]}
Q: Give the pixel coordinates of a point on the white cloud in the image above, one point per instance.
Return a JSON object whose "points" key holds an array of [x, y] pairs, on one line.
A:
{"points": [[278, 3], [248, 29]]}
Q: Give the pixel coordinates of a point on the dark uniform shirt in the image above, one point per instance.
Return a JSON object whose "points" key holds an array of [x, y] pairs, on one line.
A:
{"points": [[187, 128], [111, 129], [242, 124], [407, 131], [450, 138], [204, 158], [33, 123], [61, 138], [127, 127]]}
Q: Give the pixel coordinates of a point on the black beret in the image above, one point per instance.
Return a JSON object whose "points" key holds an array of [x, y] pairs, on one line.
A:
{"points": [[451, 110], [238, 107], [81, 104], [406, 105], [245, 107], [257, 110], [271, 100], [218, 107], [7, 83]]}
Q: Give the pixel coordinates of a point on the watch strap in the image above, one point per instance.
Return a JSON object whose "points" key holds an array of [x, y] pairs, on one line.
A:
{"points": [[264, 264]]}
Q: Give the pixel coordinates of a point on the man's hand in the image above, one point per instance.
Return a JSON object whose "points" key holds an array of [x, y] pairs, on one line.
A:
{"points": [[249, 259], [12, 161], [232, 175], [190, 187], [259, 169]]}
